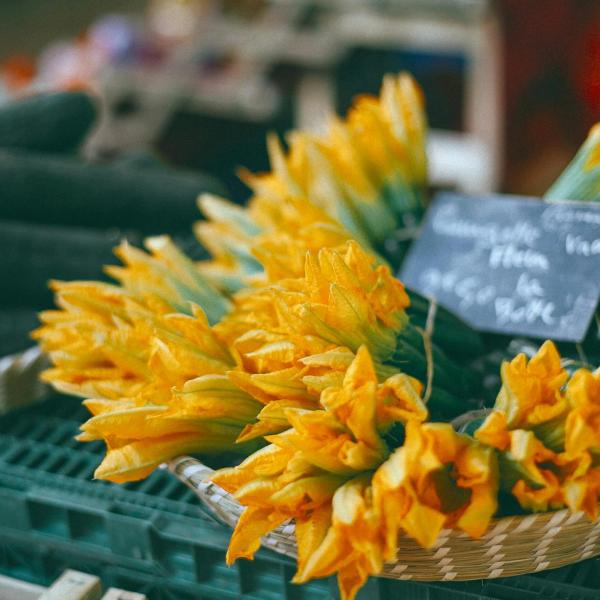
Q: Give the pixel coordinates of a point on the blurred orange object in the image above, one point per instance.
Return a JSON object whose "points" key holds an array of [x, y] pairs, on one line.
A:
{"points": [[17, 72]]}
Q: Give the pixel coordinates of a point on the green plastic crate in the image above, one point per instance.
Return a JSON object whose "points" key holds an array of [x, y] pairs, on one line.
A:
{"points": [[155, 537]]}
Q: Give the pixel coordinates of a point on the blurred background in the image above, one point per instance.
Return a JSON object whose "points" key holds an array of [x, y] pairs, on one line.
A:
{"points": [[184, 92], [512, 86]]}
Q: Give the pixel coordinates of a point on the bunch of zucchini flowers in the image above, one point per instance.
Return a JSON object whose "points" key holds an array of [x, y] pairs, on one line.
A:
{"points": [[297, 348]]}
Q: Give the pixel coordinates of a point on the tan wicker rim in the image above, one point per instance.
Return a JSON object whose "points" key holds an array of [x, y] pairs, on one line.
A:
{"points": [[512, 545], [20, 384]]}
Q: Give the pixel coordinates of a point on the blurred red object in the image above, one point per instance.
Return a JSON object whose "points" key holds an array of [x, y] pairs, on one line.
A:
{"points": [[552, 75], [587, 70]]}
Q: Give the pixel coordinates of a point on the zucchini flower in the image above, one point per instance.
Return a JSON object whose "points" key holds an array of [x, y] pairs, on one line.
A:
{"points": [[541, 479], [186, 403], [545, 436], [95, 347], [582, 428], [166, 273], [531, 390], [368, 172], [292, 337], [531, 397], [342, 299], [102, 340], [152, 367], [228, 234], [350, 301], [347, 539], [581, 179], [265, 242], [317, 471], [438, 478], [337, 473], [205, 415], [363, 179]]}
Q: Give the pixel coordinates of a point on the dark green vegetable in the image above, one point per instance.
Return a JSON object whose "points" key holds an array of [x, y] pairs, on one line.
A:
{"points": [[447, 328], [455, 387], [53, 123], [64, 191], [16, 325], [139, 160], [33, 254]]}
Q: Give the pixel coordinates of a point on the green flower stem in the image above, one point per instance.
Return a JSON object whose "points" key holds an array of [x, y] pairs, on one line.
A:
{"points": [[511, 471], [443, 405], [552, 433], [447, 374], [451, 385]]}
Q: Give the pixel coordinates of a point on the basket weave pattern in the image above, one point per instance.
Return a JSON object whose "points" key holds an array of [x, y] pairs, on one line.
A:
{"points": [[511, 546]]}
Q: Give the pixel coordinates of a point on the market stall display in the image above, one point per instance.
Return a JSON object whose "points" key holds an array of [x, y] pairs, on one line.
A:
{"points": [[296, 346]]}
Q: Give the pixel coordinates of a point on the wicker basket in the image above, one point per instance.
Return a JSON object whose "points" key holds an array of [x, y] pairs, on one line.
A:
{"points": [[511, 546]]}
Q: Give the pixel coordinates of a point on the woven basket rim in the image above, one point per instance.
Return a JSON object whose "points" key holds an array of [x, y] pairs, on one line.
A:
{"points": [[512, 545]]}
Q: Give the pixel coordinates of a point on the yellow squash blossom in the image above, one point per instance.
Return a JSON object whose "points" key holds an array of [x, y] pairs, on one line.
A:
{"points": [[136, 459], [582, 429], [438, 478], [99, 340], [280, 332], [367, 407], [318, 472], [351, 301], [107, 342], [531, 390], [146, 357], [186, 404], [228, 234], [343, 299], [332, 473], [530, 471], [362, 179], [367, 171], [581, 490], [95, 346], [531, 397], [542, 480], [292, 339], [166, 273], [265, 242], [275, 484], [348, 539], [320, 371], [545, 434], [205, 414]]}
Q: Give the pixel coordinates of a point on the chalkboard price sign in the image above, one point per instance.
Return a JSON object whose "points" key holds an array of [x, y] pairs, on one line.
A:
{"points": [[509, 264]]}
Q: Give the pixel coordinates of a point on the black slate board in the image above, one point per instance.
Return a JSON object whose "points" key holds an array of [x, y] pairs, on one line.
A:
{"points": [[509, 264]]}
